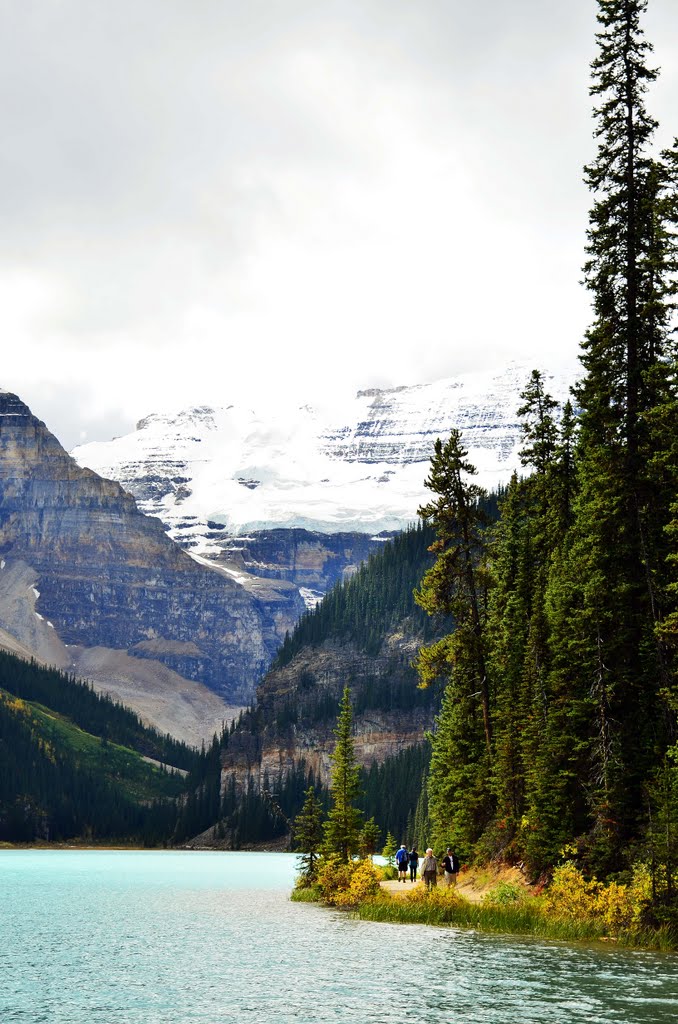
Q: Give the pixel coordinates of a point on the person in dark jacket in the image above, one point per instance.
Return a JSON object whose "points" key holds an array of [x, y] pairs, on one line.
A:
{"points": [[450, 867], [414, 864]]}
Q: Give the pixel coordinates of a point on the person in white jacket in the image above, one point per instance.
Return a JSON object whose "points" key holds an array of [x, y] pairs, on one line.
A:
{"points": [[429, 869]]}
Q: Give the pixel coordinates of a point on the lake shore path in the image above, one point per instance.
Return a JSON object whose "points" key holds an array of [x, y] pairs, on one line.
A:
{"points": [[472, 884]]}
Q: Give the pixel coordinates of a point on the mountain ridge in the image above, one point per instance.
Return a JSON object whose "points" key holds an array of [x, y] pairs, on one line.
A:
{"points": [[212, 473], [91, 585]]}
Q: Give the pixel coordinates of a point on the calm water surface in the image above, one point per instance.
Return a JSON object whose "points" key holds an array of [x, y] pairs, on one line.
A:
{"points": [[209, 938]]}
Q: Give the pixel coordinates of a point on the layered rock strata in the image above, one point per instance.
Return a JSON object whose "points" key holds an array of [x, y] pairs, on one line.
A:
{"points": [[102, 576], [297, 708]]}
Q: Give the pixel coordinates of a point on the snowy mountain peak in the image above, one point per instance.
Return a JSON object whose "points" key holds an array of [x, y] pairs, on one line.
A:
{"points": [[208, 471]]}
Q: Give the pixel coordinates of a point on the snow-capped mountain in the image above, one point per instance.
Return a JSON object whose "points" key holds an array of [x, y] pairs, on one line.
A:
{"points": [[212, 472]]}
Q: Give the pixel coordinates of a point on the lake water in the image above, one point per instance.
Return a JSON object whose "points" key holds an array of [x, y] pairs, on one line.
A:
{"points": [[90, 937]]}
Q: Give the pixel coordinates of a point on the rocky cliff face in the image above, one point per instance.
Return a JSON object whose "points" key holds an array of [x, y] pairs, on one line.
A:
{"points": [[297, 710], [309, 563], [103, 576]]}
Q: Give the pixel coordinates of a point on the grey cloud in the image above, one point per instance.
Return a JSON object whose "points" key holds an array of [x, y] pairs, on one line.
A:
{"points": [[60, 407], [147, 148]]}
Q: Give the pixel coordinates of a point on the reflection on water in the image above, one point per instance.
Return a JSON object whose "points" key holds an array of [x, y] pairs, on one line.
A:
{"points": [[182, 938]]}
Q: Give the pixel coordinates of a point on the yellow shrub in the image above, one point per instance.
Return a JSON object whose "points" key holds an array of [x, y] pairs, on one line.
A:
{"points": [[364, 885], [333, 875], [640, 891], [614, 905], [570, 895], [439, 896], [347, 884], [617, 906]]}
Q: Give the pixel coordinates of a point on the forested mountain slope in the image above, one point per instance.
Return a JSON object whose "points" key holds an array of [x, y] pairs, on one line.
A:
{"points": [[366, 633], [75, 765]]}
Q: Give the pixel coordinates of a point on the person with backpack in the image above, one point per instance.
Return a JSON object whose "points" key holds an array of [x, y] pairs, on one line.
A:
{"points": [[450, 867], [402, 859], [414, 864]]}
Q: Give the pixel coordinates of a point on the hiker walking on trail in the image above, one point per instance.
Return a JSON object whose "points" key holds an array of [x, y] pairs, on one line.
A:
{"points": [[402, 859], [429, 869], [450, 867], [414, 864]]}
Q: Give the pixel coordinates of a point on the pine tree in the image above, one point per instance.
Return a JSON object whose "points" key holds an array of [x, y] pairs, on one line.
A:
{"points": [[459, 791], [369, 837], [342, 827], [509, 618], [389, 851], [308, 835], [564, 472], [664, 465], [455, 585], [538, 429], [604, 595]]}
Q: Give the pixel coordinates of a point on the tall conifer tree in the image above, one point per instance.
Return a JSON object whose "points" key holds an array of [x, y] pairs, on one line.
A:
{"points": [[342, 828], [308, 834], [459, 787], [604, 594]]}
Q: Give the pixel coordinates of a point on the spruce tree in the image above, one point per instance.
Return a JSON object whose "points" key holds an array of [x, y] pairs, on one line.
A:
{"points": [[604, 591], [664, 466], [342, 827], [538, 428], [455, 585], [389, 850], [510, 614], [459, 789], [564, 472], [308, 835], [368, 839]]}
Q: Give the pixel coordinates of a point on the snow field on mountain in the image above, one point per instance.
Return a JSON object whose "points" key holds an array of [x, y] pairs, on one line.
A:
{"points": [[361, 468]]}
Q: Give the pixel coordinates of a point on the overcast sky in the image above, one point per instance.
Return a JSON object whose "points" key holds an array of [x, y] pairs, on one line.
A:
{"points": [[211, 201]]}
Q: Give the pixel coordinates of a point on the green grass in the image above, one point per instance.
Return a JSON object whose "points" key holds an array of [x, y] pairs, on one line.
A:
{"points": [[306, 895], [124, 767], [526, 917]]}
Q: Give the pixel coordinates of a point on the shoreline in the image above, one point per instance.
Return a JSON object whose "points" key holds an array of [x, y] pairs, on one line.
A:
{"points": [[523, 921], [488, 900]]}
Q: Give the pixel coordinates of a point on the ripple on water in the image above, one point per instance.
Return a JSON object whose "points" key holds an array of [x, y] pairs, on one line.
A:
{"points": [[189, 938]]}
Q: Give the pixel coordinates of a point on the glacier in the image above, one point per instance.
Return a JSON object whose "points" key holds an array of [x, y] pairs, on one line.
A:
{"points": [[214, 475]]}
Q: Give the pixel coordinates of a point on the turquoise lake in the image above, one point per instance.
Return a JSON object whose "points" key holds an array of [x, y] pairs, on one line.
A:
{"points": [[94, 937]]}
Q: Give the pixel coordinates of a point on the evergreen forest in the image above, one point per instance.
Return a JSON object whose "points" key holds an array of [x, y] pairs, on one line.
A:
{"points": [[557, 734], [383, 591], [72, 763], [365, 607]]}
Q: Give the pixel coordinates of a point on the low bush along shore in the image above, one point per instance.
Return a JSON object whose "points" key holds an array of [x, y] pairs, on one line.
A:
{"points": [[571, 909]]}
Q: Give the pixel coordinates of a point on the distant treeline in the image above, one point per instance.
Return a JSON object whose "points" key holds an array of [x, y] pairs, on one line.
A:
{"points": [[393, 794], [365, 607], [94, 712], [47, 793], [71, 764]]}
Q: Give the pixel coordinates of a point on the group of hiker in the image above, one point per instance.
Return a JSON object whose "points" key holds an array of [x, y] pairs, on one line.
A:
{"points": [[431, 866]]}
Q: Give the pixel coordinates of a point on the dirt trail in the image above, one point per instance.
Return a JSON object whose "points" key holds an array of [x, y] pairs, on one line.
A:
{"points": [[472, 884]]}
